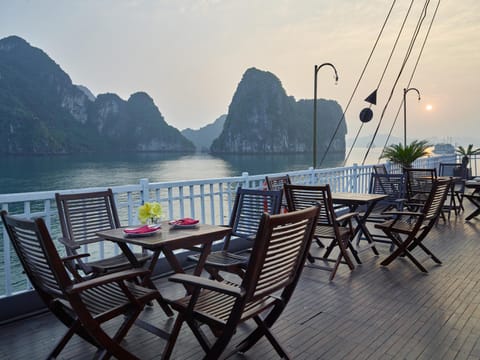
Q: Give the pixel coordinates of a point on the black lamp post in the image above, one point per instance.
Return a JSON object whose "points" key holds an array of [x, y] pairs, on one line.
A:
{"points": [[405, 91], [317, 67]]}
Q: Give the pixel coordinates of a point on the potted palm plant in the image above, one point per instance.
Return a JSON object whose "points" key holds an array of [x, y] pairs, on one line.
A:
{"points": [[406, 155], [467, 152]]}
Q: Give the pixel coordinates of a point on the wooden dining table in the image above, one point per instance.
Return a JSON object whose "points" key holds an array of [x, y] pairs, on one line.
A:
{"points": [[353, 200], [473, 197], [166, 240]]}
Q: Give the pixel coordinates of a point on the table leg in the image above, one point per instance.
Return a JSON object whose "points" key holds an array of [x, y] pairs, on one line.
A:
{"points": [[476, 212], [361, 226], [147, 281], [177, 267]]}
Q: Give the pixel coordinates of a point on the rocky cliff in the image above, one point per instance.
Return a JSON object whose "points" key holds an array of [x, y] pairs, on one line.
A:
{"points": [[42, 111], [262, 118]]}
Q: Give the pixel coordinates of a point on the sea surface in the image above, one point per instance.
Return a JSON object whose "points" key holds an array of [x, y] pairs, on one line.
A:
{"points": [[46, 173]]}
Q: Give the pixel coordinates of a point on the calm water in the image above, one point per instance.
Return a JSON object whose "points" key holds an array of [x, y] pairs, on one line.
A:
{"points": [[42, 173]]}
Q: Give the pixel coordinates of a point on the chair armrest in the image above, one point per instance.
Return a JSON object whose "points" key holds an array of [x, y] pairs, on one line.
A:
{"points": [[68, 243], [197, 281], [74, 257], [400, 212], [105, 279], [347, 216]]}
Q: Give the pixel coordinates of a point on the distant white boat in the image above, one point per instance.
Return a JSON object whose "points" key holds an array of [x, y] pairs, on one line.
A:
{"points": [[444, 148]]}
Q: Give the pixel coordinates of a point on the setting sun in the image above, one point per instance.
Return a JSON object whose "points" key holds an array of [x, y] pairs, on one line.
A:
{"points": [[429, 107]]}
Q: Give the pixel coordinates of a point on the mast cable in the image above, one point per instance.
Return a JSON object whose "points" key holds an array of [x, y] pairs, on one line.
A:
{"points": [[357, 84], [402, 67], [411, 78], [382, 76]]}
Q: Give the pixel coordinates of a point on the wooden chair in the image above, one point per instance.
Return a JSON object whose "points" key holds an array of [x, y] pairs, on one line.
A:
{"points": [[380, 169], [81, 216], [409, 228], [328, 224], [278, 256], [82, 306], [277, 183], [247, 211], [459, 173], [392, 185], [419, 184]]}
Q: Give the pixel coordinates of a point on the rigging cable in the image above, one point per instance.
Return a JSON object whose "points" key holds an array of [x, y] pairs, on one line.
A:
{"points": [[411, 77], [383, 74], [357, 84], [402, 67]]}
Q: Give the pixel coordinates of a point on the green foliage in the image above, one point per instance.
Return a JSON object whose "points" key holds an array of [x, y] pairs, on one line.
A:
{"points": [[406, 155], [460, 150]]}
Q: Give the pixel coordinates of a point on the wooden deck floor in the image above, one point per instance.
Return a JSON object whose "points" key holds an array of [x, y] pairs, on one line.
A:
{"points": [[374, 312]]}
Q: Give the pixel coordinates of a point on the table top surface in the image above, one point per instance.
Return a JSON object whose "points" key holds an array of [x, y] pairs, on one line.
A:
{"points": [[169, 236], [361, 198], [474, 183]]}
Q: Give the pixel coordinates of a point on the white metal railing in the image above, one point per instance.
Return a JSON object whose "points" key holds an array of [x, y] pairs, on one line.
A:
{"points": [[209, 200]]}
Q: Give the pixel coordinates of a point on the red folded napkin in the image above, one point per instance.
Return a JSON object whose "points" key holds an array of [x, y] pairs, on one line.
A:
{"points": [[140, 230], [184, 221]]}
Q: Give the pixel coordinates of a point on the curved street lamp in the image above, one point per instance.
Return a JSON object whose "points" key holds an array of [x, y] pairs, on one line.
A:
{"points": [[318, 67], [405, 91]]}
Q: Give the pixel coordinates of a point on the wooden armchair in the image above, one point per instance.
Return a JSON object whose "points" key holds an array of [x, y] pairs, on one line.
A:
{"points": [[276, 183], [392, 185], [82, 306], [380, 169], [247, 211], [458, 171], [338, 229], [278, 256], [409, 228], [81, 216], [419, 183]]}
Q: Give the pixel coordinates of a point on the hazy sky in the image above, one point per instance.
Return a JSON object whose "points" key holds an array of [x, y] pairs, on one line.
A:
{"points": [[189, 55]]}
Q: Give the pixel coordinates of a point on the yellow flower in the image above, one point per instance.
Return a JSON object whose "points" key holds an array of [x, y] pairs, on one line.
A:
{"points": [[149, 210]]}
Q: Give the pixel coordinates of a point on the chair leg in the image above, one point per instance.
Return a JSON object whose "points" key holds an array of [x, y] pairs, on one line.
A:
{"points": [[172, 339], [63, 341], [402, 250], [257, 334], [273, 340]]}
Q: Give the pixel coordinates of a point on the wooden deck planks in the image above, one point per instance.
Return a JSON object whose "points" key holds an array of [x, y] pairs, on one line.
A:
{"points": [[374, 312]]}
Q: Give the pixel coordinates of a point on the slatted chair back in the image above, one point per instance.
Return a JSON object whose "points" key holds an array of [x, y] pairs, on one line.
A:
{"points": [[408, 229], [380, 169], [81, 306], [419, 182], [303, 196], [453, 169], [278, 257], [81, 216], [434, 204], [277, 183], [247, 211], [392, 185]]}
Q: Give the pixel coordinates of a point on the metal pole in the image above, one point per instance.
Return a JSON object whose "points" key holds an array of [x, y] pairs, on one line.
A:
{"points": [[315, 117], [316, 68], [404, 118], [405, 91]]}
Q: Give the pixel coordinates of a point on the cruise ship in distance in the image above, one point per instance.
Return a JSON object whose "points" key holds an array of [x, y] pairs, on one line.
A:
{"points": [[444, 148]]}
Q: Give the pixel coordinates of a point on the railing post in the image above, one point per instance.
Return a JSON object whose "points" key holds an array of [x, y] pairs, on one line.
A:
{"points": [[245, 179], [354, 178], [144, 193], [388, 166], [312, 175]]}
